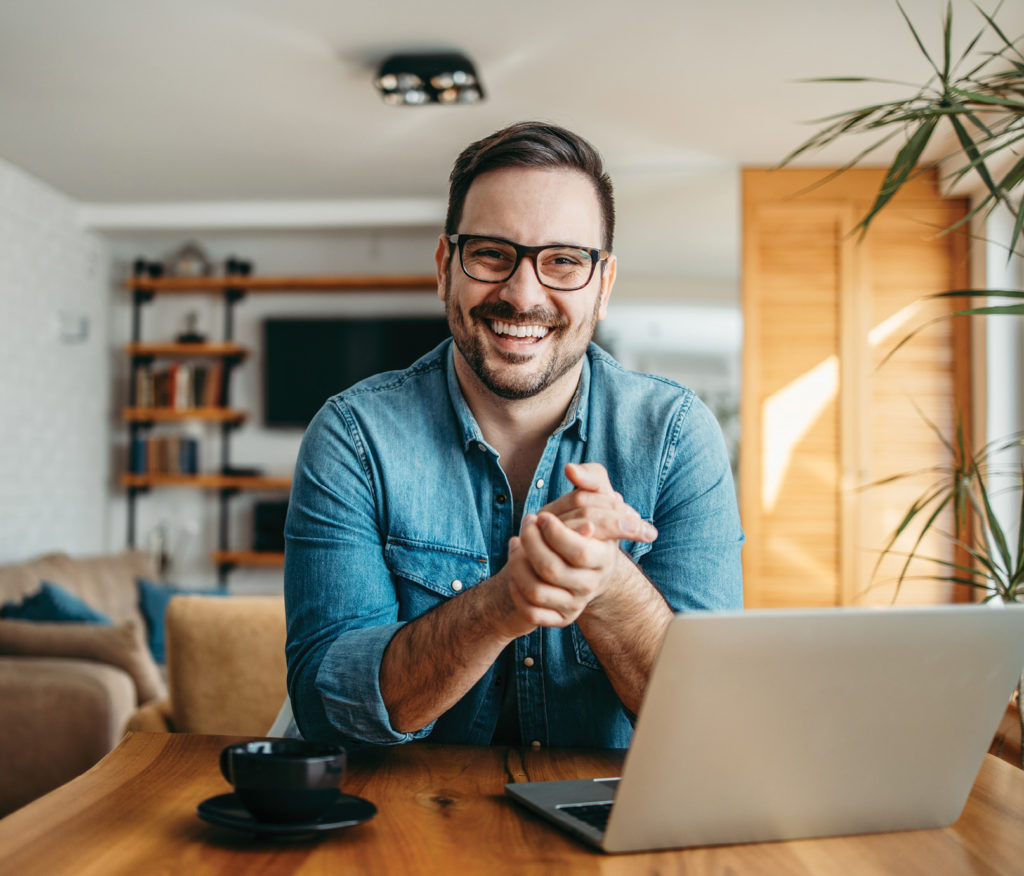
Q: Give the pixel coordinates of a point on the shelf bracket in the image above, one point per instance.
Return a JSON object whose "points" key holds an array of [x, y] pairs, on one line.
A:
{"points": [[232, 295]]}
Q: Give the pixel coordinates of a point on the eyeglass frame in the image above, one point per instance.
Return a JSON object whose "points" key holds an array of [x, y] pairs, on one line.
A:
{"points": [[531, 252]]}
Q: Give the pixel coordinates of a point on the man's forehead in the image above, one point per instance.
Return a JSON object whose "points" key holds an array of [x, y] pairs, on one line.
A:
{"points": [[548, 203]]}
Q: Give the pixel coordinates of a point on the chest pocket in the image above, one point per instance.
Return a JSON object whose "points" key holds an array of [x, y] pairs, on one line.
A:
{"points": [[425, 574]]}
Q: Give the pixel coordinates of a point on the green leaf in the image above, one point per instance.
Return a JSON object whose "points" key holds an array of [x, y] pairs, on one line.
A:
{"points": [[970, 47], [987, 99], [972, 152], [979, 293], [920, 44], [992, 23], [1014, 177], [1006, 310], [947, 40], [1018, 230], [900, 170]]}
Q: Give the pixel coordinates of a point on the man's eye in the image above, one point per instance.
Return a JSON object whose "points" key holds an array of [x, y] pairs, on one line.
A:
{"points": [[566, 259], [489, 253]]}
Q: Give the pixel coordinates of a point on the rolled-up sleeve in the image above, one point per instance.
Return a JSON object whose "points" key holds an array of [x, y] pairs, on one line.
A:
{"points": [[340, 599], [695, 561]]}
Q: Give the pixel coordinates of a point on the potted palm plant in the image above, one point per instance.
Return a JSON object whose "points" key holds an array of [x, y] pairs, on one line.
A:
{"points": [[976, 99]]}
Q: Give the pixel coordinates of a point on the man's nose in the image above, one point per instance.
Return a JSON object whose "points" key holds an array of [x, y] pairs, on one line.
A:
{"points": [[523, 289]]}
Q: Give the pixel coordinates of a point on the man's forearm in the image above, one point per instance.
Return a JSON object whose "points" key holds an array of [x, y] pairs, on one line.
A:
{"points": [[624, 628], [433, 661]]}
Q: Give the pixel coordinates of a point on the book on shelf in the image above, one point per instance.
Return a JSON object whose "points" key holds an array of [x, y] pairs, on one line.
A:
{"points": [[180, 386], [164, 454]]}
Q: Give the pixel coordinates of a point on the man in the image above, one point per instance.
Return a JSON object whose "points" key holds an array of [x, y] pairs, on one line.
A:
{"points": [[470, 555]]}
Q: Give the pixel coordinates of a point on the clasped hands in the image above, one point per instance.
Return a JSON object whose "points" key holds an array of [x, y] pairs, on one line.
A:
{"points": [[567, 555]]}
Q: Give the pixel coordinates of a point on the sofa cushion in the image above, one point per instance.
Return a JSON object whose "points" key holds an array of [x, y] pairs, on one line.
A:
{"points": [[244, 638], [54, 604], [106, 582], [122, 645], [58, 718], [153, 600]]}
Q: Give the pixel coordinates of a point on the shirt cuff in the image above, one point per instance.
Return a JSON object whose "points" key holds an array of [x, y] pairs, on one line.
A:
{"points": [[348, 682]]}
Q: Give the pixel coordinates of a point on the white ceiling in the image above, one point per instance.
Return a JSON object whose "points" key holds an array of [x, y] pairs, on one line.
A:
{"points": [[136, 101]]}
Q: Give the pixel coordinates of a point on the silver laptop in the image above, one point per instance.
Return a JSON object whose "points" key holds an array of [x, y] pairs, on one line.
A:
{"points": [[781, 724]]}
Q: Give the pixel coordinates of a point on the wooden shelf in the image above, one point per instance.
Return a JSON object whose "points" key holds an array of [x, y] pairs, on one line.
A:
{"points": [[186, 351], [347, 283], [208, 481], [248, 558], [180, 415]]}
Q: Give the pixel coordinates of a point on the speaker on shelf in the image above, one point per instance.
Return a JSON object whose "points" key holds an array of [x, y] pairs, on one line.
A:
{"points": [[268, 525]]}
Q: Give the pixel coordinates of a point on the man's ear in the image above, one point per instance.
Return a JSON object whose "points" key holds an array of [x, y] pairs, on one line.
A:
{"points": [[442, 258], [607, 281]]}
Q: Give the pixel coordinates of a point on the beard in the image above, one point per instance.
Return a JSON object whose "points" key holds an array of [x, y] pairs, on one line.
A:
{"points": [[502, 372]]}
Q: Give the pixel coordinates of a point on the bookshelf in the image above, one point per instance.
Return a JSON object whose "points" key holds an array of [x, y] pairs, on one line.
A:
{"points": [[157, 401]]}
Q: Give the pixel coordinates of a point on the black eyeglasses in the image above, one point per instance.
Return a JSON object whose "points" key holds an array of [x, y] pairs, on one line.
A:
{"points": [[560, 267]]}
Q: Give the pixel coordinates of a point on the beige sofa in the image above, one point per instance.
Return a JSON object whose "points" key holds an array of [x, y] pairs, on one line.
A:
{"points": [[69, 689], [225, 667]]}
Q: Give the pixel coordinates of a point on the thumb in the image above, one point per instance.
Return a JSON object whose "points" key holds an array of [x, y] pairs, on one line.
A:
{"points": [[588, 476]]}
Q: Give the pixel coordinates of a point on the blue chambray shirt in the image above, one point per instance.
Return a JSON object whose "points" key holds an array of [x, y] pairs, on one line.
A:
{"points": [[398, 504]]}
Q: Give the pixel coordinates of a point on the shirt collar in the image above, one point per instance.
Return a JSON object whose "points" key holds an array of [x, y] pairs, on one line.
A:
{"points": [[576, 413]]}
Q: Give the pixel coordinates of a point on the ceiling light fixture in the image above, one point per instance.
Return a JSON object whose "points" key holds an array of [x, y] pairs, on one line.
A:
{"points": [[417, 79]]}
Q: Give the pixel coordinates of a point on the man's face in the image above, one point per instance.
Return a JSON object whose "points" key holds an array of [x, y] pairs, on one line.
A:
{"points": [[518, 337]]}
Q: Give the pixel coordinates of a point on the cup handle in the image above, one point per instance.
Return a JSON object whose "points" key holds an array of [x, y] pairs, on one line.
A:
{"points": [[225, 755]]}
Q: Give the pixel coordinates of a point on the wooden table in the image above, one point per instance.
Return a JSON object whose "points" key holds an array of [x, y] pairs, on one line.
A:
{"points": [[442, 809]]}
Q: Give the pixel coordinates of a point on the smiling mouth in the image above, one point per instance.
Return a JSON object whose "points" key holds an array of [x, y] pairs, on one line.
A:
{"points": [[519, 332]]}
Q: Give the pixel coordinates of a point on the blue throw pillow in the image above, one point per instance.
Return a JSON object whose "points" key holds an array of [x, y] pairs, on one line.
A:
{"points": [[153, 599], [53, 604]]}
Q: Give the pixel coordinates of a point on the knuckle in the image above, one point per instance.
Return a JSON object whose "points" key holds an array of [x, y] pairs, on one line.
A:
{"points": [[548, 569], [578, 555], [577, 499]]}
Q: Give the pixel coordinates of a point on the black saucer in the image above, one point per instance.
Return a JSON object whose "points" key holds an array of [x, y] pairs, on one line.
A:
{"points": [[227, 810]]}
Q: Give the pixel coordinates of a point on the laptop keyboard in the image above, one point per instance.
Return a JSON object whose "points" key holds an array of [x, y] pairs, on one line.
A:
{"points": [[594, 814]]}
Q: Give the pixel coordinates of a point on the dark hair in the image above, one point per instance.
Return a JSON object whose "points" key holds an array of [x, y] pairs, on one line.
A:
{"points": [[530, 144]]}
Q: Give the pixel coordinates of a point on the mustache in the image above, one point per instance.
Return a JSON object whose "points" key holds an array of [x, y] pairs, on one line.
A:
{"points": [[507, 313]]}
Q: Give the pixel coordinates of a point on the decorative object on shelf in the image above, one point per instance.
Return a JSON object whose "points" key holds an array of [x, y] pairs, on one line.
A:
{"points": [[191, 335], [415, 79], [241, 471], [236, 267], [190, 261], [158, 547], [144, 268]]}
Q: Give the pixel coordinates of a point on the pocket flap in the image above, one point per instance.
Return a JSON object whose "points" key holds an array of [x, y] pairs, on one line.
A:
{"points": [[444, 570]]}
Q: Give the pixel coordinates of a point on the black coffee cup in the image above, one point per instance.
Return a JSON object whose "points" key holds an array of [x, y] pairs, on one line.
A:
{"points": [[284, 781]]}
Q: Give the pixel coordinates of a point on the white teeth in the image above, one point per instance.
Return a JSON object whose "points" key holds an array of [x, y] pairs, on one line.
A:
{"points": [[519, 331]]}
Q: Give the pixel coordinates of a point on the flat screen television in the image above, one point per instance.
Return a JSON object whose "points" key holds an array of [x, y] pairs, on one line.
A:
{"points": [[308, 360]]}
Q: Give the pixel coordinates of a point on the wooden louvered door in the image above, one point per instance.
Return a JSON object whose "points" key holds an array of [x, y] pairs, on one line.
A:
{"points": [[821, 418]]}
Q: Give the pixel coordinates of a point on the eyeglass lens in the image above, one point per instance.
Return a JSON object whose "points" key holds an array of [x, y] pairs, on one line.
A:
{"points": [[560, 267]]}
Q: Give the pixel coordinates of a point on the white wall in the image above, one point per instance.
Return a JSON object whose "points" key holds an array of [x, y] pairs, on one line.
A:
{"points": [[1005, 369], [55, 399]]}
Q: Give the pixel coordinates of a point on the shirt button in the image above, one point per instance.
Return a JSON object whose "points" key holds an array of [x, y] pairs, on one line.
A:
{"points": [[535, 745], [456, 585], [540, 483], [528, 661], [482, 448], [502, 498]]}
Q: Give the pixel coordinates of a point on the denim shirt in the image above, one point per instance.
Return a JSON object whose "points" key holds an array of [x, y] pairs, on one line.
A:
{"points": [[399, 504]]}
